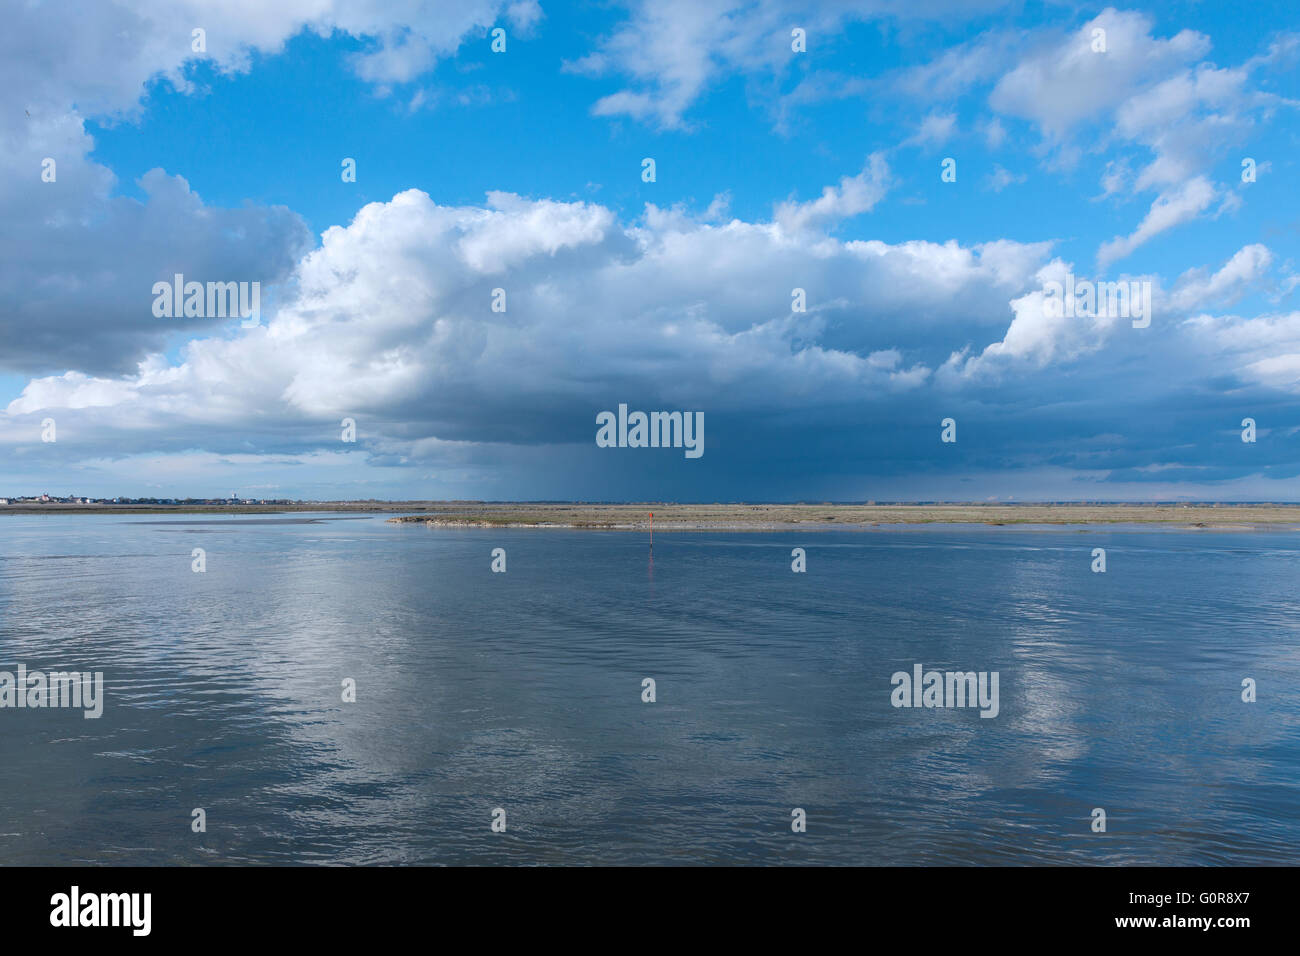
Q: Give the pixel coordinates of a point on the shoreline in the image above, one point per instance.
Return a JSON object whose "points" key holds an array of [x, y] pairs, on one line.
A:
{"points": [[737, 517], [670, 518]]}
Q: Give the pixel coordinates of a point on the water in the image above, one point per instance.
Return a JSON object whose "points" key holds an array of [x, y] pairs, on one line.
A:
{"points": [[523, 691]]}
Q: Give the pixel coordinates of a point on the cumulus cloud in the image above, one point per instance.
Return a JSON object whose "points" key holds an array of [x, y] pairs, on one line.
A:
{"points": [[1038, 335], [1158, 95], [392, 321], [76, 280], [389, 320], [1041, 334], [77, 289], [103, 65], [1067, 81], [1113, 83], [1263, 349]]}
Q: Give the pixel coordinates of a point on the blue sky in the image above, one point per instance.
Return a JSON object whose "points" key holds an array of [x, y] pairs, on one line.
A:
{"points": [[775, 170]]}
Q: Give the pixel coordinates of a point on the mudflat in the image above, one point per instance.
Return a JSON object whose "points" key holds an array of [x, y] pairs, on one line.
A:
{"points": [[734, 517], [761, 517]]}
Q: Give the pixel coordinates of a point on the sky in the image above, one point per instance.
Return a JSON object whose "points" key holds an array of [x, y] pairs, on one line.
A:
{"points": [[930, 174]]}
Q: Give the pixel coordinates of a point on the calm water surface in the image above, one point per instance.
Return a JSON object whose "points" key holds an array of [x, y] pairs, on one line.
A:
{"points": [[523, 691]]}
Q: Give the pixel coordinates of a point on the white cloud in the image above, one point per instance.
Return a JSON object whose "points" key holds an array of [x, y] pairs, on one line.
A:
{"points": [[995, 133], [1001, 178], [854, 195], [958, 69], [103, 65], [1261, 349], [1157, 95], [1038, 336], [935, 130], [1173, 208], [96, 256], [1196, 290], [1066, 82], [392, 322], [672, 51]]}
